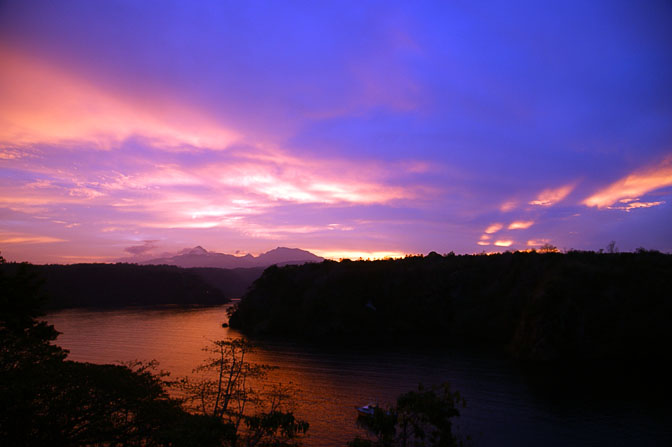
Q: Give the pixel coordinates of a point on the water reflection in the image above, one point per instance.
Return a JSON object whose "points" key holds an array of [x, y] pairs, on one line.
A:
{"points": [[502, 408]]}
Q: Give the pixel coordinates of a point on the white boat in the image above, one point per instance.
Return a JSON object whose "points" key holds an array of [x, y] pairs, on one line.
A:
{"points": [[366, 410]]}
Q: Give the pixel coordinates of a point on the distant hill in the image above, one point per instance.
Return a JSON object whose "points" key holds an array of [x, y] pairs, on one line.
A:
{"points": [[233, 283], [200, 257], [123, 284], [118, 285]]}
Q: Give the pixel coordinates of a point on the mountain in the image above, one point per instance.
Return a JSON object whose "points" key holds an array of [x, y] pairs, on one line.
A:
{"points": [[200, 257], [198, 250], [284, 256]]}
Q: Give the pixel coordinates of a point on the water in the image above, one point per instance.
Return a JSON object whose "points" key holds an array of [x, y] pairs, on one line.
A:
{"points": [[503, 406]]}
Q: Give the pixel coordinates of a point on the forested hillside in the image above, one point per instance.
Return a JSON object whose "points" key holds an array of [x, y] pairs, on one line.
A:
{"points": [[538, 306], [233, 283], [114, 285]]}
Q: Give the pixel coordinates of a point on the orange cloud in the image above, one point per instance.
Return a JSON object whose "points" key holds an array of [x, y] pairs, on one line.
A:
{"points": [[520, 225], [507, 206], [634, 185], [494, 228], [504, 243], [16, 238], [631, 205], [549, 197]]}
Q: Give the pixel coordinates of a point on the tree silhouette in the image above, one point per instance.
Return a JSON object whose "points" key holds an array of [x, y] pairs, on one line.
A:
{"points": [[229, 389], [48, 400], [423, 417]]}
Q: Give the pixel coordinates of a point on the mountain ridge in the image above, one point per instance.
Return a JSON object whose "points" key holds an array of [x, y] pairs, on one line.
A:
{"points": [[200, 257]]}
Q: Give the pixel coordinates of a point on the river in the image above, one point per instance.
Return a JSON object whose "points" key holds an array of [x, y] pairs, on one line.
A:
{"points": [[503, 406]]}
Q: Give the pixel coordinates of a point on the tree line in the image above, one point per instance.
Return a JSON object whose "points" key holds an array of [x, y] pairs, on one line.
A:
{"points": [[116, 285]]}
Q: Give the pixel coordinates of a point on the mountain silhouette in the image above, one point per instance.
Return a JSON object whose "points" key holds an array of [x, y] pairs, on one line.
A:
{"points": [[200, 257]]}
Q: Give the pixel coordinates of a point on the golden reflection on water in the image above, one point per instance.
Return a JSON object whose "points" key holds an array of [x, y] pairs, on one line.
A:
{"points": [[327, 391], [172, 336], [330, 383]]}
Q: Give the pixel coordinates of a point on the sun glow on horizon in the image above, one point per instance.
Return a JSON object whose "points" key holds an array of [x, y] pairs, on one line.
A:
{"points": [[336, 255]]}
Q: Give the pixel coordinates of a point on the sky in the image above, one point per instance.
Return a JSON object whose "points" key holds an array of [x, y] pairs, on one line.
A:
{"points": [[130, 129]]}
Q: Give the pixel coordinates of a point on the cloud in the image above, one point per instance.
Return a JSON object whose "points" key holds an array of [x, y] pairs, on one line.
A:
{"points": [[632, 204], [11, 154], [537, 242], [637, 184], [146, 246], [129, 140], [314, 182], [494, 228], [508, 206], [504, 243], [549, 197], [126, 190], [19, 238], [43, 104], [520, 225]]}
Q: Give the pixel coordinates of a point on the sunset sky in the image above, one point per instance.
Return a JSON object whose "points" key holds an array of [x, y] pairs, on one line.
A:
{"points": [[135, 128]]}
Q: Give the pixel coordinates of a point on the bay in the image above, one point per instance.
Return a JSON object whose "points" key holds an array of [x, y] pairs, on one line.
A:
{"points": [[503, 406]]}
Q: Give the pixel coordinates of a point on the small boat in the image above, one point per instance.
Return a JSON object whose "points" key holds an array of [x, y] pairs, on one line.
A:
{"points": [[366, 410]]}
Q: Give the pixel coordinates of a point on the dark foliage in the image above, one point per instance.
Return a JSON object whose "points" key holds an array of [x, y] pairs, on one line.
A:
{"points": [[233, 283], [420, 418], [543, 307], [47, 400], [235, 392]]}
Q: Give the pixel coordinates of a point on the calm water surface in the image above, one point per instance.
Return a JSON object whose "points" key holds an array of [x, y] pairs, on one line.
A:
{"points": [[502, 407]]}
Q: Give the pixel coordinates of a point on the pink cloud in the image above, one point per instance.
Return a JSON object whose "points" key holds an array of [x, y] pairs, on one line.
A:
{"points": [[44, 104], [633, 204], [494, 228], [549, 197], [635, 185], [520, 225], [211, 194], [508, 206], [537, 242], [23, 238]]}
